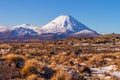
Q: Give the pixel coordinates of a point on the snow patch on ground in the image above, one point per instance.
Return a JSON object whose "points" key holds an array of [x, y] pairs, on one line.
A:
{"points": [[109, 69]]}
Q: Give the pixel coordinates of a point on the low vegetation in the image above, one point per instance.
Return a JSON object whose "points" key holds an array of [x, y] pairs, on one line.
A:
{"points": [[95, 58]]}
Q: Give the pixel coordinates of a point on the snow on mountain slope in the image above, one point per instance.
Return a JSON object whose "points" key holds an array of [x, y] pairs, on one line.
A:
{"points": [[25, 26], [84, 32], [3, 28], [65, 24], [24, 29]]}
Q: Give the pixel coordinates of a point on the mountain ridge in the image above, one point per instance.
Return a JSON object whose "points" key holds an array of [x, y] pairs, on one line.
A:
{"points": [[60, 27]]}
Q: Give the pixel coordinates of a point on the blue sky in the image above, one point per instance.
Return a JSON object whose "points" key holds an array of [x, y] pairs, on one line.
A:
{"points": [[100, 15]]}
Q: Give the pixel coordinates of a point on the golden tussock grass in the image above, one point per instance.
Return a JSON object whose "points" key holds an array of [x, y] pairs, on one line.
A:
{"points": [[32, 77], [61, 75], [32, 66], [19, 60], [13, 57]]}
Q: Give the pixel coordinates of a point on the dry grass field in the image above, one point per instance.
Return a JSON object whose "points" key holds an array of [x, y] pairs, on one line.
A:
{"points": [[66, 59]]}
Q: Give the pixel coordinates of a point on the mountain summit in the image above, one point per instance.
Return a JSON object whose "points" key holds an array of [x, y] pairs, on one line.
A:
{"points": [[65, 24]]}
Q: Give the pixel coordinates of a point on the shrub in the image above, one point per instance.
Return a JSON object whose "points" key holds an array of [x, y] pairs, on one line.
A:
{"points": [[29, 67], [32, 66], [61, 75], [17, 59]]}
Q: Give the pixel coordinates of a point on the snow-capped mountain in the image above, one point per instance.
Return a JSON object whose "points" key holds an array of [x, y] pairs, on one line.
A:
{"points": [[24, 29], [64, 24], [61, 27], [4, 28], [26, 26]]}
